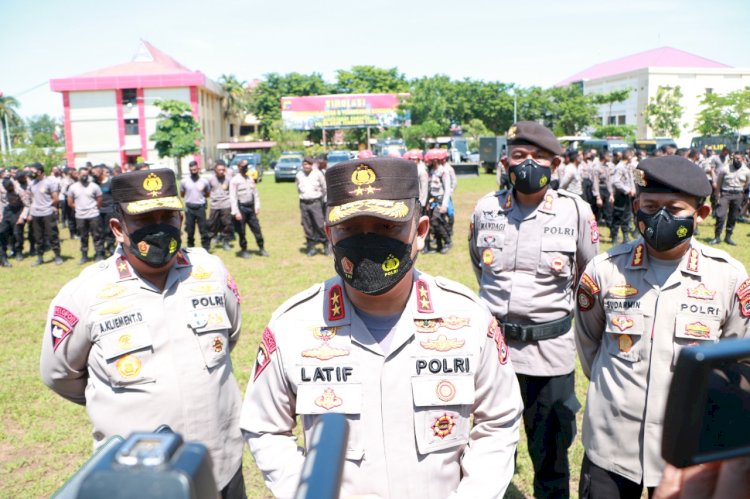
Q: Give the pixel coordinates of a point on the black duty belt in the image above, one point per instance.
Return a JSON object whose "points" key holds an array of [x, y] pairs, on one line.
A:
{"points": [[195, 206], [536, 332], [732, 191], [247, 205], [310, 201]]}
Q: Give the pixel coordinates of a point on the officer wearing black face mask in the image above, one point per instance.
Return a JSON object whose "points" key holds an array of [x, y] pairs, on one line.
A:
{"points": [[143, 337], [527, 246], [638, 306], [732, 180], [406, 356]]}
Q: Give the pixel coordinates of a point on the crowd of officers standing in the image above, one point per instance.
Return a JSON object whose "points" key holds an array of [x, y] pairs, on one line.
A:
{"points": [[534, 250]]}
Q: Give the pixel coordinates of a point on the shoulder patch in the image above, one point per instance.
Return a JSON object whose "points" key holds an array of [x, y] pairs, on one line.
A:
{"points": [[743, 295], [61, 325], [266, 348]]}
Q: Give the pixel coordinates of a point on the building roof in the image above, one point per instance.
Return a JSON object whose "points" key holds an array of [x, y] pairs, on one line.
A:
{"points": [[664, 57], [149, 68]]}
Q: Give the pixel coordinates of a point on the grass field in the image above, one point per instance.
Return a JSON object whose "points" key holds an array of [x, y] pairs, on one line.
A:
{"points": [[44, 439]]}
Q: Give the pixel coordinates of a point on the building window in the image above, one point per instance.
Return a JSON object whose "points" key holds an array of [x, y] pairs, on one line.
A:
{"points": [[621, 119], [129, 96], [131, 127], [612, 120], [709, 91]]}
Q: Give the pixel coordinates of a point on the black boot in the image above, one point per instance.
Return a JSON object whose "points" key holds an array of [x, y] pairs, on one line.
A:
{"points": [[716, 239], [58, 259], [262, 251], [84, 259], [4, 261], [728, 239], [311, 251], [625, 235], [39, 259]]}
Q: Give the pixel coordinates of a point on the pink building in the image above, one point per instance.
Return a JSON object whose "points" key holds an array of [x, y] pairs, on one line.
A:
{"points": [[110, 113]]}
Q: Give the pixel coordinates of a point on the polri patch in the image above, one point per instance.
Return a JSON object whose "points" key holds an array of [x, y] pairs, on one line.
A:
{"points": [[594, 230], [61, 325], [233, 286]]}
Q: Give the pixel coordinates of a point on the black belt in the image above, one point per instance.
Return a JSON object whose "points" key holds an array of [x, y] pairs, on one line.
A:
{"points": [[310, 201], [195, 206], [536, 332], [732, 191], [247, 205]]}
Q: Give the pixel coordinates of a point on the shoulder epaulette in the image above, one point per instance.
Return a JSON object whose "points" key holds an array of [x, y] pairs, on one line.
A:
{"points": [[455, 287], [297, 299], [717, 254]]}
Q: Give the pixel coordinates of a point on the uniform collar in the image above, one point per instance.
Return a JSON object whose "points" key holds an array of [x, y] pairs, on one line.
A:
{"points": [[689, 264]]}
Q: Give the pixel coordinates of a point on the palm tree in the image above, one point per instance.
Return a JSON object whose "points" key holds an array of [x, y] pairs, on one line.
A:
{"points": [[8, 117], [235, 101]]}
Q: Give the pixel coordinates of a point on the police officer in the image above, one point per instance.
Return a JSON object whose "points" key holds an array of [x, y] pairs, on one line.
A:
{"points": [[527, 246], [311, 187], [44, 197], [103, 178], [14, 204], [195, 189], [732, 179], [624, 191], [143, 338], [84, 198], [245, 206], [406, 356], [438, 202], [220, 220], [601, 185], [638, 306]]}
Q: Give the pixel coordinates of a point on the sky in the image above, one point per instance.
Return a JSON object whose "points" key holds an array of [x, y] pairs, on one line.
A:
{"points": [[525, 42]]}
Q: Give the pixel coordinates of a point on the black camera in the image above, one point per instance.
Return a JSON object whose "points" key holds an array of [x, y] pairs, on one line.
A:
{"points": [[708, 404]]}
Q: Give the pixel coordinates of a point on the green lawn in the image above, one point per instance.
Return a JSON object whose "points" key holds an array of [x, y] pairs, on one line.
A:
{"points": [[44, 438]]}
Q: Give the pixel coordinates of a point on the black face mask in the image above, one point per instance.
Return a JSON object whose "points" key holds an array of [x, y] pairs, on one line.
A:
{"points": [[663, 231], [84, 179], [736, 163], [529, 177], [371, 263], [156, 244], [194, 176], [33, 175]]}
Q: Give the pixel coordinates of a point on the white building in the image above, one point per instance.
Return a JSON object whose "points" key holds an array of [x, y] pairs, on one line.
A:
{"points": [[110, 113], [645, 72]]}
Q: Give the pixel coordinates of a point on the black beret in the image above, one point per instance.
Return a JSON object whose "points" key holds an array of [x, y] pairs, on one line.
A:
{"points": [[383, 187], [531, 132], [143, 191], [672, 174]]}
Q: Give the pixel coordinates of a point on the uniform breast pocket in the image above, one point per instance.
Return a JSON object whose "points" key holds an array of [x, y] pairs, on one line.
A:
{"points": [[128, 356], [490, 246], [557, 256], [211, 328], [316, 399], [693, 330], [442, 408], [624, 335]]}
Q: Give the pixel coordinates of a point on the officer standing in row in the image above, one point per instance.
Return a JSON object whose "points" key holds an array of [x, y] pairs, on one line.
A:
{"points": [[438, 202], [220, 220], [528, 245], [244, 200], [405, 356], [732, 179], [311, 187], [14, 202], [638, 306], [624, 191], [195, 189], [84, 198], [44, 197], [143, 338]]}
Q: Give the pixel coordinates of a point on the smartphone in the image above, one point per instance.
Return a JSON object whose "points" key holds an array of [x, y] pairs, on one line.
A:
{"points": [[708, 407]]}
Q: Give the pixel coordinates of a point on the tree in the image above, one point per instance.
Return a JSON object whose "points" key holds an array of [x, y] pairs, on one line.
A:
{"points": [[369, 79], [265, 100], [43, 131], [474, 129], [664, 111], [177, 133], [627, 132], [236, 101], [569, 111], [724, 114], [8, 117], [610, 98]]}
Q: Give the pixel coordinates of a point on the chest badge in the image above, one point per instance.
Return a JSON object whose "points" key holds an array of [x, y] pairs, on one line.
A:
{"points": [[325, 351], [129, 366], [442, 344], [487, 256], [443, 425], [701, 292], [624, 343], [445, 390], [427, 325], [622, 322], [623, 290], [328, 400], [698, 330]]}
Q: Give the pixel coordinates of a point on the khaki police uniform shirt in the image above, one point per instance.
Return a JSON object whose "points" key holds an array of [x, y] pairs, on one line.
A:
{"points": [[23, 196], [410, 432], [601, 175], [137, 357], [527, 269], [219, 192], [440, 185], [629, 333], [41, 196], [622, 178], [571, 179], [733, 179], [243, 190], [311, 186]]}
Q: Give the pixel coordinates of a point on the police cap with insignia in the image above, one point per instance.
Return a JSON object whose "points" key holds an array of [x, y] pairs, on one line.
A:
{"points": [[671, 174], [386, 188], [143, 191], [532, 133]]}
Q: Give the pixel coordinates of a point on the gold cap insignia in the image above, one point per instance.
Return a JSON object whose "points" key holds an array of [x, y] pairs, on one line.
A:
{"points": [[512, 132], [363, 177], [152, 183], [640, 177]]}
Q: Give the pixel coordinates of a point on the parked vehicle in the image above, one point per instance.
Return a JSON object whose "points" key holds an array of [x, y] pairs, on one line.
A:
{"points": [[389, 147], [491, 150], [334, 157], [651, 145], [719, 142], [462, 160], [287, 167], [255, 169], [613, 145]]}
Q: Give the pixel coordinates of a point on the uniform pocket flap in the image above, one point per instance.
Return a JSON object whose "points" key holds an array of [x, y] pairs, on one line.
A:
{"points": [[696, 328], [325, 398], [431, 391], [562, 244], [128, 340]]}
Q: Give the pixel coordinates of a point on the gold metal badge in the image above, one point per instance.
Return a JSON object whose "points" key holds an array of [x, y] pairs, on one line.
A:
{"points": [[698, 330], [443, 426], [363, 177], [512, 132], [152, 183], [125, 341], [218, 345], [442, 344], [625, 343], [324, 352], [129, 366]]}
